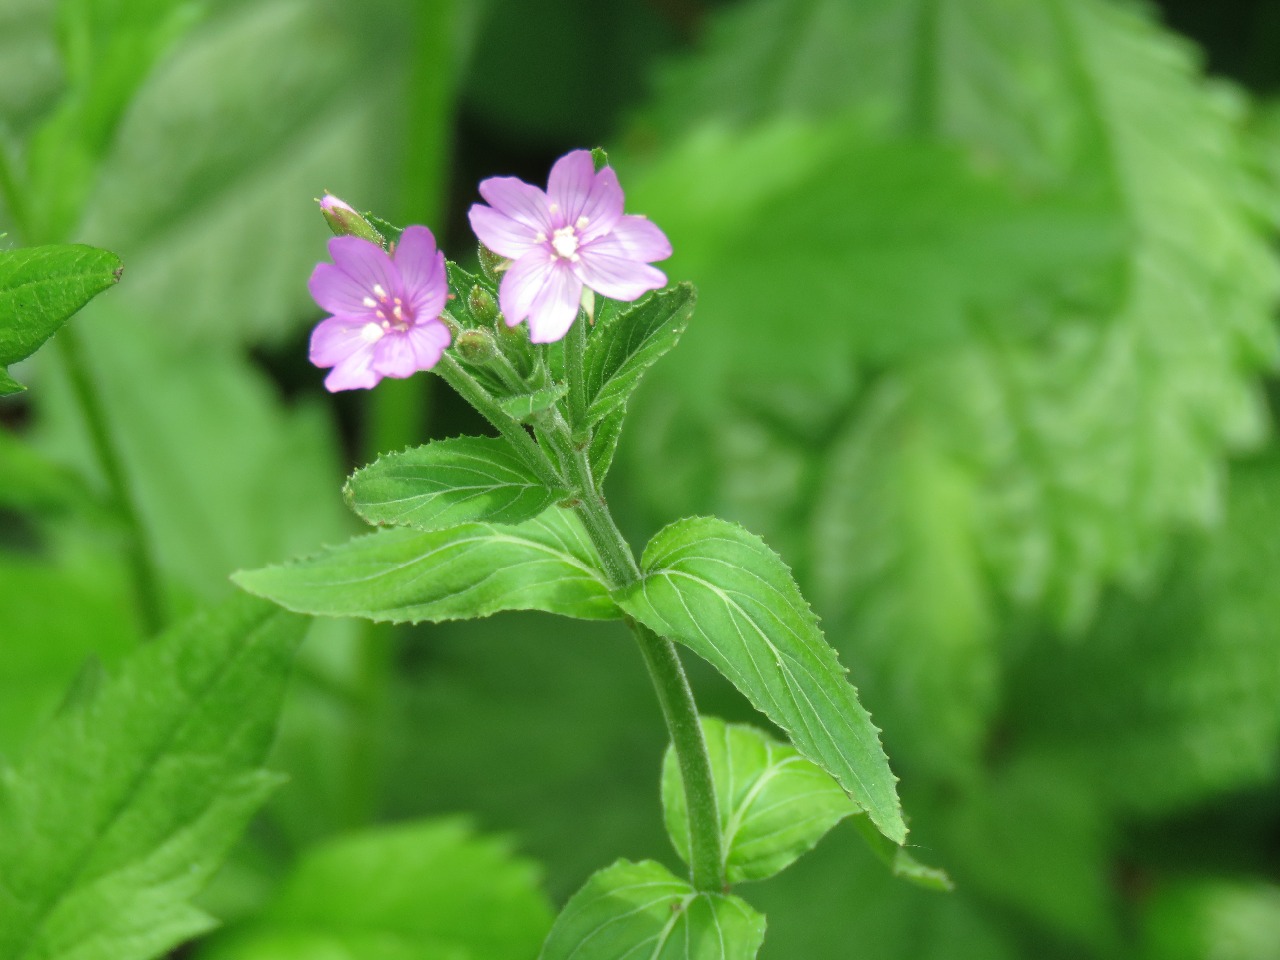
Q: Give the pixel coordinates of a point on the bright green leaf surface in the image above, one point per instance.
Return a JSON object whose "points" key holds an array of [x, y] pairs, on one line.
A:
{"points": [[525, 406], [774, 804], [450, 482], [627, 342], [633, 910], [722, 591], [40, 287], [422, 891], [547, 563], [123, 806]]}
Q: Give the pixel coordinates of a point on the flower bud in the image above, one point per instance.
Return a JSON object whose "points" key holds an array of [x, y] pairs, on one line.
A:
{"points": [[482, 305], [599, 158], [491, 263], [476, 346], [345, 221]]}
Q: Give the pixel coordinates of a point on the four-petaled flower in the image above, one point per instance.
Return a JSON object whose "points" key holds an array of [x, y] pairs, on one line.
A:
{"points": [[572, 236], [386, 311]]}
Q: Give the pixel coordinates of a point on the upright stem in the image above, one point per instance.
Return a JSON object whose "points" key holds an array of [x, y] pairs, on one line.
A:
{"points": [[146, 579], [665, 670]]}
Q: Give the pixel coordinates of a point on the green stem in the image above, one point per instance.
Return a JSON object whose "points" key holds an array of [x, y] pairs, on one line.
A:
{"points": [[513, 432], [146, 579], [681, 713], [575, 348], [675, 696]]}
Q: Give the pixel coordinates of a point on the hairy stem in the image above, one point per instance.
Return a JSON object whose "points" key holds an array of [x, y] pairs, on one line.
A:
{"points": [[146, 578]]}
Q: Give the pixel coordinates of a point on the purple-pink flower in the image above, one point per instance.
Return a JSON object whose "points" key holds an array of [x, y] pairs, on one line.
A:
{"points": [[386, 310], [572, 236]]}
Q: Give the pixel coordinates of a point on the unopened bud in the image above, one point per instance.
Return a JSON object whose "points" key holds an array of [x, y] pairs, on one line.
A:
{"points": [[482, 304], [476, 346], [599, 158], [491, 263], [345, 221]]}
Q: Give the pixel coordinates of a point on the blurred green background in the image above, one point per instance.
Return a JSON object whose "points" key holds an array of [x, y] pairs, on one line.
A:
{"points": [[985, 346]]}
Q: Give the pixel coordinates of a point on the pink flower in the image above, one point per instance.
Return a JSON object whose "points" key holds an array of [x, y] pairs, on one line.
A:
{"points": [[572, 236], [386, 312]]}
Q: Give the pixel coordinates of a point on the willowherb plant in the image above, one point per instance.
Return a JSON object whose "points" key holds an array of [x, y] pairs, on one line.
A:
{"points": [[518, 521]]}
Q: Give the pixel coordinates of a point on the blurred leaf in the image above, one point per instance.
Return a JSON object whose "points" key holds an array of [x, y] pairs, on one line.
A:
{"points": [[627, 342], [1213, 920], [450, 482], [1088, 364], [900, 861], [774, 804], [124, 805], [206, 170], [107, 47], [630, 909], [424, 891], [1174, 696], [29, 70], [34, 482], [721, 591], [897, 568], [40, 288], [57, 611], [468, 571]]}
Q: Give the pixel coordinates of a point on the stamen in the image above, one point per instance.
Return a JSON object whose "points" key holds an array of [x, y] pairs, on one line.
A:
{"points": [[379, 291], [371, 333], [581, 222], [369, 302]]}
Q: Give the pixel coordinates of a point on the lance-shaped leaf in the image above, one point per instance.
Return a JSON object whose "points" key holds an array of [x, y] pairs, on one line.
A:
{"points": [[774, 804], [628, 342], [415, 891], [632, 910], [40, 287], [721, 591], [473, 570], [450, 482], [126, 803]]}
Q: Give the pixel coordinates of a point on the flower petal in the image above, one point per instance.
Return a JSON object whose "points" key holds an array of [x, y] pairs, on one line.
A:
{"points": [[366, 263], [575, 191], [422, 273], [393, 356], [556, 305], [608, 267], [500, 233], [337, 291], [354, 373], [337, 338], [518, 200], [642, 238], [429, 342], [522, 282]]}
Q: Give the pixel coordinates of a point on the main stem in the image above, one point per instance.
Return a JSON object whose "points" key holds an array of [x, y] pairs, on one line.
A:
{"points": [[675, 696]]}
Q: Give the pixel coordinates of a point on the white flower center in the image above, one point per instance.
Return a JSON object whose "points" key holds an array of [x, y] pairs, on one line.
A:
{"points": [[565, 243], [391, 312], [371, 333]]}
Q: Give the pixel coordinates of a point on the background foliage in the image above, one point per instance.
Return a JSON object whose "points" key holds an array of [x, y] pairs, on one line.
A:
{"points": [[984, 345]]}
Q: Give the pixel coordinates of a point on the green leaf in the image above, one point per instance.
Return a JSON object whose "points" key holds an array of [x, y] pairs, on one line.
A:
{"points": [[124, 806], [627, 342], [526, 406], [641, 909], [474, 570], [900, 861], [450, 482], [774, 804], [720, 590], [604, 443], [415, 891], [40, 287]]}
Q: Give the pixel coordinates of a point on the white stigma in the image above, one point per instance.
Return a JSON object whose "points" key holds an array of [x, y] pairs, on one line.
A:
{"points": [[371, 333], [565, 242]]}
